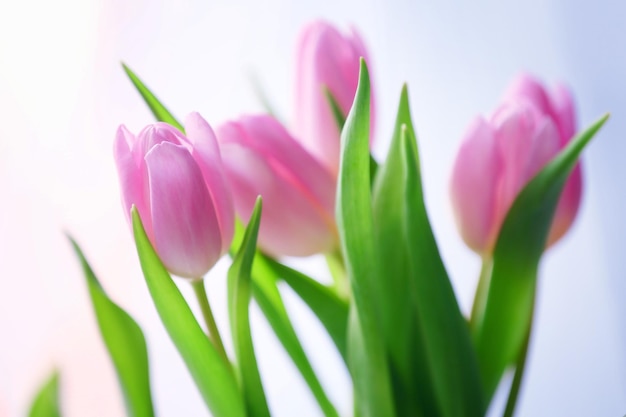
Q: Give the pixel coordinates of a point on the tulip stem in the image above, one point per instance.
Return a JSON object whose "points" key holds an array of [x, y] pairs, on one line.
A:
{"points": [[480, 299], [337, 270], [517, 382], [213, 332], [517, 378]]}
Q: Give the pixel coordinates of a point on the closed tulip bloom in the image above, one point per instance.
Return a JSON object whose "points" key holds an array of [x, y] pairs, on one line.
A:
{"points": [[262, 158], [558, 105], [176, 181], [326, 59], [496, 160]]}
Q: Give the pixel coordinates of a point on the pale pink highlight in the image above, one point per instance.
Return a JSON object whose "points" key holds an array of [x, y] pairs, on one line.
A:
{"points": [[261, 158], [326, 59]]}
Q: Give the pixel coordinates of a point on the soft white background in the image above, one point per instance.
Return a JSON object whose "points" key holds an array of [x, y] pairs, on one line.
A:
{"points": [[63, 93]]}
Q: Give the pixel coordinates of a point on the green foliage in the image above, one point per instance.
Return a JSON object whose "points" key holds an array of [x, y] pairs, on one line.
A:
{"points": [[239, 293], [428, 343], [46, 402], [501, 333], [125, 343], [213, 376], [367, 357], [160, 112]]}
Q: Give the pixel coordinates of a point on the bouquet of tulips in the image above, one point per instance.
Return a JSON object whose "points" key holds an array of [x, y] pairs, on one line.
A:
{"points": [[259, 192]]}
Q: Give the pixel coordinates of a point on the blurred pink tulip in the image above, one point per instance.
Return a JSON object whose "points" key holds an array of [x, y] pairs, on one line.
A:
{"points": [[559, 106], [262, 158], [496, 160], [178, 186], [325, 59]]}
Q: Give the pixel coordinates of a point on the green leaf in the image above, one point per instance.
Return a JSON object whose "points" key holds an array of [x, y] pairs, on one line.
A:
{"points": [[508, 310], [125, 343], [449, 358], [368, 362], [335, 108], [161, 113], [265, 292], [239, 292], [46, 402], [340, 120], [213, 376], [267, 296], [394, 303], [328, 307]]}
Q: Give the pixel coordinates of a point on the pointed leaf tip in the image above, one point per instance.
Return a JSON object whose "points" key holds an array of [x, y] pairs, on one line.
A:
{"points": [[46, 401], [213, 376], [239, 293], [500, 333]]}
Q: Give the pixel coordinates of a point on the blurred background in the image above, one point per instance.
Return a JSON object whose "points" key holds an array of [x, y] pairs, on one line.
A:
{"points": [[63, 94]]}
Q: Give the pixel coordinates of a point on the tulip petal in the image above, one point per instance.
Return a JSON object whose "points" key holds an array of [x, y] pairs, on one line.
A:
{"points": [[474, 186], [206, 153], [291, 225], [529, 88], [545, 146], [291, 161], [186, 231], [154, 134], [568, 206], [564, 113], [326, 60], [516, 125], [131, 170]]}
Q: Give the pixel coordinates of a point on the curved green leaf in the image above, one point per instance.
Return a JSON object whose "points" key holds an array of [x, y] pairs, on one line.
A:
{"points": [[213, 376], [331, 310], [450, 360], [509, 304], [267, 296], [125, 343], [393, 302], [239, 292], [46, 402], [161, 113], [340, 120], [368, 362]]}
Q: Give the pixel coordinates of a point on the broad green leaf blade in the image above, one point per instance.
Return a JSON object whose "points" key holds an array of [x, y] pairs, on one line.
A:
{"points": [[368, 361], [267, 296], [239, 292], [125, 343], [340, 119], [46, 402], [449, 356], [213, 376], [330, 309], [160, 112], [394, 303], [522, 239]]}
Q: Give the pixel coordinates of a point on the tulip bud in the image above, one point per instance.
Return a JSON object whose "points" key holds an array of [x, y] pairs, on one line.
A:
{"points": [[558, 106], [496, 160], [177, 184], [261, 158], [326, 60]]}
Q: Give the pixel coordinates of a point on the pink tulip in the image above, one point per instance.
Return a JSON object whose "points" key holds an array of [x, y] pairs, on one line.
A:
{"points": [[559, 106], [496, 160], [262, 158], [177, 184], [326, 59]]}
